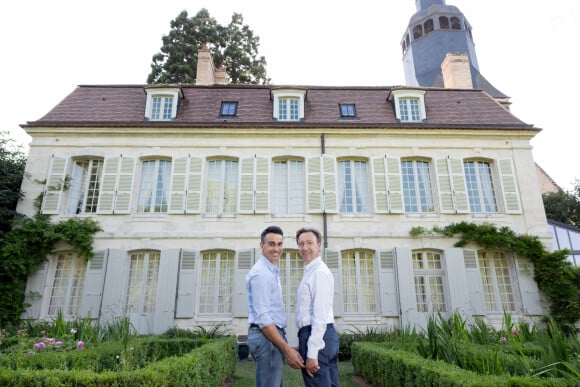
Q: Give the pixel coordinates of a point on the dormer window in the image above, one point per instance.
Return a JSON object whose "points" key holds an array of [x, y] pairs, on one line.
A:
{"points": [[229, 109], [162, 104], [288, 104], [410, 105], [347, 110]]}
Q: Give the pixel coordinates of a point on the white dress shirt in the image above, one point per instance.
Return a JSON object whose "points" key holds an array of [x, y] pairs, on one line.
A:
{"points": [[314, 303]]}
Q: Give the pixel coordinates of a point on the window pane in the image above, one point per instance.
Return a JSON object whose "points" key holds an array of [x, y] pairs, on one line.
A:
{"points": [[496, 280], [347, 110], [429, 282], [480, 189], [68, 285], [84, 186], [216, 286], [353, 187], [154, 191], [288, 187], [358, 282], [143, 280], [229, 108], [222, 186]]}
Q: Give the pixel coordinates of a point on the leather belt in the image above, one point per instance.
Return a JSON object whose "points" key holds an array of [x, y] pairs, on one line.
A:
{"points": [[257, 326]]}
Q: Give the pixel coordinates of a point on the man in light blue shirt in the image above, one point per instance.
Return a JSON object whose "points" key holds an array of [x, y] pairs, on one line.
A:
{"points": [[267, 316]]}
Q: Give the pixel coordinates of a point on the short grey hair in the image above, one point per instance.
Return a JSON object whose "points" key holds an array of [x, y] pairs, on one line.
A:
{"points": [[309, 229]]}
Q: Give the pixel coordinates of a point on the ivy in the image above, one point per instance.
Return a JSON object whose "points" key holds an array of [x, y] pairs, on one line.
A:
{"points": [[27, 246], [555, 276]]}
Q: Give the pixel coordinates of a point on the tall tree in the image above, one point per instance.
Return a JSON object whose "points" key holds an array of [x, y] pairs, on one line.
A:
{"points": [[235, 46], [12, 163], [563, 206]]}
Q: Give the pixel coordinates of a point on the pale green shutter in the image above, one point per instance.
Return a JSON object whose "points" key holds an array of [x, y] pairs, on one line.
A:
{"points": [[388, 284], [452, 189], [457, 295], [186, 285], [262, 185], [94, 283], [329, 184], [474, 284], [108, 185], [125, 185], [194, 186], [115, 288], [379, 171], [166, 290], [511, 195], [459, 187], [531, 302], [406, 289], [34, 294], [245, 262], [54, 185], [314, 184], [178, 185], [395, 186], [332, 260], [246, 197], [445, 190]]}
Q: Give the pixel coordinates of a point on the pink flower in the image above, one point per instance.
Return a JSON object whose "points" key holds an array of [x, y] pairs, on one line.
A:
{"points": [[51, 341], [30, 353], [58, 344], [503, 339], [45, 339], [515, 332], [39, 346], [43, 332], [80, 345]]}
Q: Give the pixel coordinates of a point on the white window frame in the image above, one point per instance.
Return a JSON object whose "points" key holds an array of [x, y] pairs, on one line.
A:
{"points": [[360, 190], [432, 300], [495, 299], [423, 197], [279, 95], [404, 95], [486, 188], [67, 281], [158, 200], [143, 280], [289, 187], [85, 185], [358, 279], [172, 94], [216, 283]]}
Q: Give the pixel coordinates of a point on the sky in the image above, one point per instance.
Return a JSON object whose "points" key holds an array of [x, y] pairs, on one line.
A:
{"points": [[525, 48]]}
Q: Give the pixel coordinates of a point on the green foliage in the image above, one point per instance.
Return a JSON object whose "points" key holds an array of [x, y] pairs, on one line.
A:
{"points": [[563, 206], [233, 46], [552, 272], [12, 164], [27, 246]]}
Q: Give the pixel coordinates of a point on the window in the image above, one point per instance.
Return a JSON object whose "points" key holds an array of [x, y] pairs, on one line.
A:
{"points": [[154, 192], [291, 269], [498, 293], [429, 282], [353, 186], [347, 110], [161, 103], [428, 26], [143, 280], [409, 105], [222, 186], [417, 31], [229, 109], [358, 282], [68, 284], [417, 186], [288, 187], [217, 278], [288, 104], [443, 22], [84, 186], [480, 188], [455, 23]]}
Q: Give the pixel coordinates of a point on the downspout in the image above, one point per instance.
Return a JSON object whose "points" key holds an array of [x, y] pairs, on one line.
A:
{"points": [[324, 217]]}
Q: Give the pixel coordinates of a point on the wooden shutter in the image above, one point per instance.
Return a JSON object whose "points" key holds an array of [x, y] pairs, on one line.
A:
{"points": [[125, 185], [314, 184], [94, 284], [332, 259], [108, 185], [511, 195], [406, 288], [262, 184], [388, 284], [186, 284], [179, 172], [473, 277], [380, 187], [245, 261], [117, 185], [35, 287], [246, 197], [330, 203], [458, 292], [54, 185], [115, 289], [166, 290], [531, 302], [394, 184], [452, 189]]}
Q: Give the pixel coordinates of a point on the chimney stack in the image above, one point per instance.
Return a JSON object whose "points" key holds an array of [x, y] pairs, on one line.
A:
{"points": [[456, 71], [207, 74]]}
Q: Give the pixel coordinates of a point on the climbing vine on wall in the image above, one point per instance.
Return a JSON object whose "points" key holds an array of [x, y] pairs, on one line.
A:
{"points": [[555, 276]]}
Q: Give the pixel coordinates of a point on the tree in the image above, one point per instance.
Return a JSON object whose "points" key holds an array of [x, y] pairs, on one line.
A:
{"points": [[563, 206], [233, 46], [12, 163]]}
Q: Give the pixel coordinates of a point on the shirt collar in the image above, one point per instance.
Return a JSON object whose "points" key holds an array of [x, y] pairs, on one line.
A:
{"points": [[312, 264], [273, 268]]}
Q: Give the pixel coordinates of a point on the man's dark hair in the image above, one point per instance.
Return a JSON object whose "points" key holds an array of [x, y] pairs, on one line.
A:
{"points": [[309, 229], [271, 230]]}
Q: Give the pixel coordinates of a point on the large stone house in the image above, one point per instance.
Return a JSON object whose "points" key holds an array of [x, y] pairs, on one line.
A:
{"points": [[183, 178]]}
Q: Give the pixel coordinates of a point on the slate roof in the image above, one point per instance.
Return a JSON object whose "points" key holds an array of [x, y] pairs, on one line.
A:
{"points": [[124, 105]]}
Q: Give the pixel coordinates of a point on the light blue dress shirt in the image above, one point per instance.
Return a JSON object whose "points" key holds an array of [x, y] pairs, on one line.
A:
{"points": [[265, 302]]}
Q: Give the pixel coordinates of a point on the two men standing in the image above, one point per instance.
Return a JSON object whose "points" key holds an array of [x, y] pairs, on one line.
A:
{"points": [[318, 340]]}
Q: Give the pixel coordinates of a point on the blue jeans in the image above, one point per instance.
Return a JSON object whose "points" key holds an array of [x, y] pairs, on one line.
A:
{"points": [[269, 359], [327, 376]]}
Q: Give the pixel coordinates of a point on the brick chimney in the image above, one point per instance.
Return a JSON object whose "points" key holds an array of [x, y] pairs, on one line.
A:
{"points": [[456, 71], [207, 74]]}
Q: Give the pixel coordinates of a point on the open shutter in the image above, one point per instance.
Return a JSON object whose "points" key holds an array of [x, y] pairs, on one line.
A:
{"points": [[108, 185], [94, 285], [379, 172], [459, 187], [246, 197], [394, 184], [473, 277], [194, 185], [511, 195], [54, 185], [246, 259], [115, 289], [166, 290], [388, 284], [531, 302], [314, 184], [458, 292], [406, 289], [125, 185], [328, 171], [186, 285], [445, 190], [262, 185], [35, 292], [452, 189], [332, 260], [178, 193]]}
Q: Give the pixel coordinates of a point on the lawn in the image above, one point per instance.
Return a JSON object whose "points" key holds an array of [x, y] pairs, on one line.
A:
{"points": [[246, 370]]}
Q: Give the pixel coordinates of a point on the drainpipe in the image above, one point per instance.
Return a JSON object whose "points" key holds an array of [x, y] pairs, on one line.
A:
{"points": [[324, 217]]}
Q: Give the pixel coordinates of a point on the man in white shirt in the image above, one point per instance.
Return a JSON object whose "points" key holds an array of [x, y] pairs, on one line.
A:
{"points": [[317, 339], [267, 316]]}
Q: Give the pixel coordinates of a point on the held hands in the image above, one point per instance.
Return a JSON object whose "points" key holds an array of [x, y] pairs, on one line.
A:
{"points": [[312, 366], [294, 359]]}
